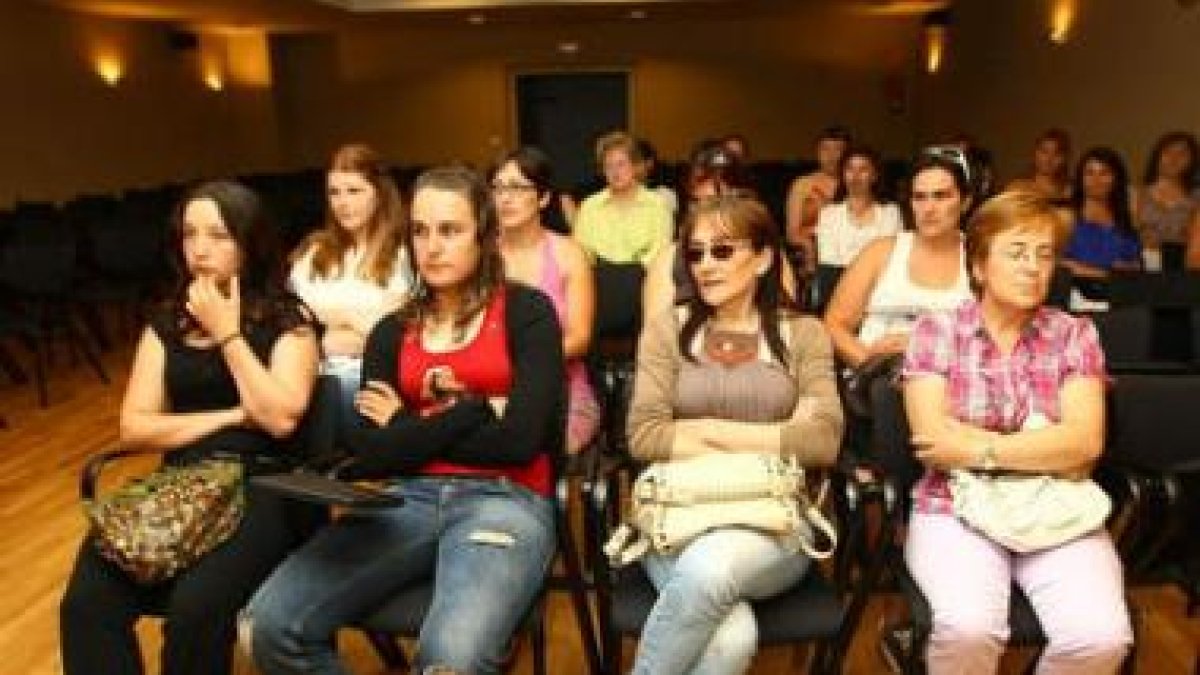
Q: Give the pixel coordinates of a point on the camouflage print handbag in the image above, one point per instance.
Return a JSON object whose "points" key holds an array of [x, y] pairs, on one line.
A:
{"points": [[157, 526]]}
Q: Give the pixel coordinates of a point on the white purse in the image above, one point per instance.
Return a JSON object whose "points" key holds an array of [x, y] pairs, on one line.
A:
{"points": [[1028, 512], [674, 502]]}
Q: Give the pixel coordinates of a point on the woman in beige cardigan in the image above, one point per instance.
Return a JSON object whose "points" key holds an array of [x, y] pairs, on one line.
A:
{"points": [[734, 370]]}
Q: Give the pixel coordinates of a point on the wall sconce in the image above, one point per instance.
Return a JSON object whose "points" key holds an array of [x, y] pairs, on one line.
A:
{"points": [[936, 32], [1062, 17], [110, 69], [213, 79]]}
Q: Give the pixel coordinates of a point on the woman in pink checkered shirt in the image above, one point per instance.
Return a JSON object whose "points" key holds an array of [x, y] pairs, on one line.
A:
{"points": [[1006, 383]]}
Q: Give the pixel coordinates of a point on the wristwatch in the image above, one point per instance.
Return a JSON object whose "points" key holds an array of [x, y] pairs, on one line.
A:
{"points": [[987, 458]]}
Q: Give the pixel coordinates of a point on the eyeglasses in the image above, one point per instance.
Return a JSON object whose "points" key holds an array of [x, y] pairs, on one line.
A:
{"points": [[951, 153], [722, 250], [512, 188]]}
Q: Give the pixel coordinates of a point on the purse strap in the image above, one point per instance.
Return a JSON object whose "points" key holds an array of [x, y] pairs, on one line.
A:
{"points": [[815, 517]]}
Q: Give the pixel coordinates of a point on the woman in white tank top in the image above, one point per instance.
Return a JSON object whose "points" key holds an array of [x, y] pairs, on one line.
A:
{"points": [[897, 278]]}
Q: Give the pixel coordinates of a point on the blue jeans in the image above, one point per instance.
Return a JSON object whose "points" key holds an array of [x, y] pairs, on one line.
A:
{"points": [[702, 622], [487, 543]]}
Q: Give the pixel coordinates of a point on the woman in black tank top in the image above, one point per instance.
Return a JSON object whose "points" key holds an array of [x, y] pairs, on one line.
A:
{"points": [[226, 366]]}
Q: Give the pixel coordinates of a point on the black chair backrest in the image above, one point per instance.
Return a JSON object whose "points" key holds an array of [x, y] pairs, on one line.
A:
{"points": [[314, 443], [1153, 425], [1174, 256], [823, 283], [891, 450], [1160, 290], [1126, 334], [1060, 288], [618, 299]]}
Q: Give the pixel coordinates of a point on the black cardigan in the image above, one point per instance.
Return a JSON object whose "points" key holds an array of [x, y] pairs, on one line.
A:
{"points": [[469, 432]]}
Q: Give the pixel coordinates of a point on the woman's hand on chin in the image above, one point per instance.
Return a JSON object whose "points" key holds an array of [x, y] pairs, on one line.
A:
{"points": [[218, 313]]}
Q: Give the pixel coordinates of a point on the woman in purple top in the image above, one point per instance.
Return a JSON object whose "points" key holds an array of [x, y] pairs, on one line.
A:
{"points": [[1005, 383], [1104, 239]]}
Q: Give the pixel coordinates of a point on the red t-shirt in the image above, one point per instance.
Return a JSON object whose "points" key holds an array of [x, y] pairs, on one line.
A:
{"points": [[483, 366]]}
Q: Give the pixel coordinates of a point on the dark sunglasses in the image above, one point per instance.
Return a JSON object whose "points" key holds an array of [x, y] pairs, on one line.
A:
{"points": [[723, 250]]}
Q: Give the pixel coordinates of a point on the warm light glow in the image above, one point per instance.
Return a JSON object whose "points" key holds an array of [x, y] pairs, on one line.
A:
{"points": [[935, 47], [110, 69], [247, 59], [1062, 17], [213, 79]]}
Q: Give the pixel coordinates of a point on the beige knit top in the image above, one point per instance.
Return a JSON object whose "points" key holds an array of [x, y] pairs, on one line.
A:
{"points": [[813, 429]]}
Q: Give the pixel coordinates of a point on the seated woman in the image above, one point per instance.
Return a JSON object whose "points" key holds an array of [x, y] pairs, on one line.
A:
{"points": [[227, 366], [810, 192], [712, 170], [859, 213], [554, 264], [736, 369], [352, 271], [1050, 169], [975, 379], [460, 409], [894, 279], [1167, 210], [1103, 239]]}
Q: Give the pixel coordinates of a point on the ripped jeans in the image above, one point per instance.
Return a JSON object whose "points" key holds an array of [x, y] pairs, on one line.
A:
{"points": [[487, 543]]}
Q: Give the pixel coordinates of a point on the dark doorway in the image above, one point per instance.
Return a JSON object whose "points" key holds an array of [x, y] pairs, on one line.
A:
{"points": [[564, 113]]}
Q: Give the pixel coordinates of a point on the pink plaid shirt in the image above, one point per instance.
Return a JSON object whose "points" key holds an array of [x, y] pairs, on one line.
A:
{"points": [[986, 389]]}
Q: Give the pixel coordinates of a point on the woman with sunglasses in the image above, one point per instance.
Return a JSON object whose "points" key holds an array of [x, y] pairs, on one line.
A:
{"points": [[735, 369], [1104, 239], [859, 212], [352, 271], [461, 415], [554, 264], [895, 279]]}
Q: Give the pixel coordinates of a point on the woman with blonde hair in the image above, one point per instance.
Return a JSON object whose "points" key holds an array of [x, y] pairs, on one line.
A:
{"points": [[353, 270]]}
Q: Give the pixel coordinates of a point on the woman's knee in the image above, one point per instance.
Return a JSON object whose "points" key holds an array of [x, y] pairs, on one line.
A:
{"points": [[965, 626], [709, 580], [1091, 637]]}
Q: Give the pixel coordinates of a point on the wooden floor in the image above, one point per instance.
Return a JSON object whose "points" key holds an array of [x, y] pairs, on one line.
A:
{"points": [[41, 453]]}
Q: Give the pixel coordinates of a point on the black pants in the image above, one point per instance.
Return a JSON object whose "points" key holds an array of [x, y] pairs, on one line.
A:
{"points": [[200, 606]]}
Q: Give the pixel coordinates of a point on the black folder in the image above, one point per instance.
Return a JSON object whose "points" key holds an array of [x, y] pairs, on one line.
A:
{"points": [[319, 489]]}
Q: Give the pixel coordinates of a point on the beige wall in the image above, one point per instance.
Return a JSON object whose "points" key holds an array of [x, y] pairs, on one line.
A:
{"points": [[427, 92], [66, 132], [438, 93], [1127, 72]]}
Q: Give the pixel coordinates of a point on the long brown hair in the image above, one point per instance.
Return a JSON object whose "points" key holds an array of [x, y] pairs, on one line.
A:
{"points": [[488, 277], [745, 218], [385, 231]]}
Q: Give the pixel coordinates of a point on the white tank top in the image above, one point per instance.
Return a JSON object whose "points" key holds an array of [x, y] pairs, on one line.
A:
{"points": [[896, 302]]}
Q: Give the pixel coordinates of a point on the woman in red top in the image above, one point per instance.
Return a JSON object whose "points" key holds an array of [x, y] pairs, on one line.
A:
{"points": [[466, 380]]}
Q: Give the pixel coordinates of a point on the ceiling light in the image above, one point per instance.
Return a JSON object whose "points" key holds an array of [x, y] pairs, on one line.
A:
{"points": [[638, 14], [477, 19], [568, 47]]}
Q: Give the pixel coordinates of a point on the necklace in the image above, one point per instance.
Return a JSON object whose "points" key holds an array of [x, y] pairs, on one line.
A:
{"points": [[730, 347]]}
